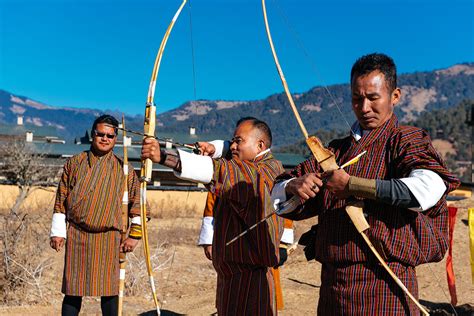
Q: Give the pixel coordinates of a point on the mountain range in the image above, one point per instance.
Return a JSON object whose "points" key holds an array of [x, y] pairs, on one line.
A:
{"points": [[322, 108]]}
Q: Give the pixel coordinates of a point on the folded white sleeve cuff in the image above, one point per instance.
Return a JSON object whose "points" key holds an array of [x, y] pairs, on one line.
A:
{"points": [[136, 220], [427, 187], [58, 225], [288, 236], [278, 193], [207, 231], [195, 168], [221, 146]]}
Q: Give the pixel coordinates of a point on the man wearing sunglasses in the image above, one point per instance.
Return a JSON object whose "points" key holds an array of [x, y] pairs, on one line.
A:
{"points": [[89, 199]]}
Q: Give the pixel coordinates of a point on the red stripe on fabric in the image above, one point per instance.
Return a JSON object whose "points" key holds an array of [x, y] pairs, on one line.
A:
{"points": [[449, 260]]}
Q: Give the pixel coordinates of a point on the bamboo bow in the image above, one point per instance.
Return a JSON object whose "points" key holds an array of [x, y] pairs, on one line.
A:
{"points": [[327, 161], [147, 164], [124, 228]]}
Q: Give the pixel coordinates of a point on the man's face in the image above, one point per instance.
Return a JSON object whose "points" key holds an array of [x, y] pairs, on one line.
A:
{"points": [[372, 102], [246, 144], [101, 141]]}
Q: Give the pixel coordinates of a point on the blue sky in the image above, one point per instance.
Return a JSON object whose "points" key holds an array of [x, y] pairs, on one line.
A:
{"points": [[99, 54]]}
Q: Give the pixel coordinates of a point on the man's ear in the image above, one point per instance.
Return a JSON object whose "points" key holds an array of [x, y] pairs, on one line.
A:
{"points": [[396, 96]]}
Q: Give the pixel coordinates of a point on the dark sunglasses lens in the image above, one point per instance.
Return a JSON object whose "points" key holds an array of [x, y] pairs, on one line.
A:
{"points": [[103, 134]]}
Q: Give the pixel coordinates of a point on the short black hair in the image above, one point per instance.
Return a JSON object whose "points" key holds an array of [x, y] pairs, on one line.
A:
{"points": [[261, 126], [108, 119], [376, 61]]}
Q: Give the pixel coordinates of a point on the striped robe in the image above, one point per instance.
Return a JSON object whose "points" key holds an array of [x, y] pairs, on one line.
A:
{"points": [[287, 224], [90, 194], [353, 282], [245, 283]]}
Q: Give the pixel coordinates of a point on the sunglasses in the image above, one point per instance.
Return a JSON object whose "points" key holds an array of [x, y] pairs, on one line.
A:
{"points": [[98, 134]]}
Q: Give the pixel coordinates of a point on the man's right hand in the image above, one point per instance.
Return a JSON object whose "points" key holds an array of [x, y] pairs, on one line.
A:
{"points": [[57, 243], [306, 186], [207, 149], [208, 251]]}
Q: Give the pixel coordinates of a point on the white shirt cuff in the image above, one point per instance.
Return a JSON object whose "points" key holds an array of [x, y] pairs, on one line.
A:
{"points": [[136, 220], [207, 231], [58, 225], [288, 236], [195, 168], [278, 193], [427, 187], [221, 147]]}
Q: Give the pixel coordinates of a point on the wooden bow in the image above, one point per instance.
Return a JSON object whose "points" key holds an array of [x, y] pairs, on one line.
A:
{"points": [[327, 161], [124, 228], [147, 164]]}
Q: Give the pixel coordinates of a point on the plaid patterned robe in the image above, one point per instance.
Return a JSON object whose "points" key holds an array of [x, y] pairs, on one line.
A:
{"points": [[353, 283], [288, 224], [90, 194], [244, 281]]}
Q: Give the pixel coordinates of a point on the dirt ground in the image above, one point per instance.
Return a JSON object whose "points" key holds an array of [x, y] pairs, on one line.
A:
{"points": [[185, 279]]}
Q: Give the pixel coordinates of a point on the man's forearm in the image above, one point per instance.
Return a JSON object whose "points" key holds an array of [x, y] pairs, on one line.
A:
{"points": [[170, 160]]}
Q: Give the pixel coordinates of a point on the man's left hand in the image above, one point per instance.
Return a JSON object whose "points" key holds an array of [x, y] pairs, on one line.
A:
{"points": [[129, 245], [151, 149], [337, 182]]}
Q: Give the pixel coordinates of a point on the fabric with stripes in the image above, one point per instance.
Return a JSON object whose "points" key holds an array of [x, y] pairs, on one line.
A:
{"points": [[402, 236], [90, 194], [245, 284], [209, 211]]}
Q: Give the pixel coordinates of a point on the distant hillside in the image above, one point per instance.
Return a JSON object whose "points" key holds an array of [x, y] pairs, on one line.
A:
{"points": [[422, 91], [69, 122], [447, 127]]}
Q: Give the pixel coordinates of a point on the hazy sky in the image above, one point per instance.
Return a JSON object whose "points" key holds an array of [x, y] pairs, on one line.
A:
{"points": [[99, 54]]}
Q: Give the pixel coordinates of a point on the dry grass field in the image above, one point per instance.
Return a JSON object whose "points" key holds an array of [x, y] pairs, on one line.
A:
{"points": [[185, 279]]}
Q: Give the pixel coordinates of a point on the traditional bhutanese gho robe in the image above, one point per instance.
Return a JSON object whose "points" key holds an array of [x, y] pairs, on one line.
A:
{"points": [[244, 280], [207, 233], [90, 194], [353, 282]]}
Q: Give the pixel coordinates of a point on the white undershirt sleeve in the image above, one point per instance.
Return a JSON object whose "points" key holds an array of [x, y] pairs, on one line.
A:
{"points": [[288, 236], [221, 146], [278, 193], [58, 225], [195, 168], [136, 220], [427, 187], [207, 231]]}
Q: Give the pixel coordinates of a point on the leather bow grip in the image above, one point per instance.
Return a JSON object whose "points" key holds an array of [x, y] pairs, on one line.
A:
{"points": [[149, 130]]}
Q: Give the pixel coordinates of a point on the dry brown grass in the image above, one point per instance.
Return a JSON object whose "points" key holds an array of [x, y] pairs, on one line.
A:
{"points": [[31, 271], [24, 240], [176, 203]]}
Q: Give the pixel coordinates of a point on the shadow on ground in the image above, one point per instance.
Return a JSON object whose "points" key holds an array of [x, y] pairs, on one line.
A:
{"points": [[303, 283], [445, 309]]}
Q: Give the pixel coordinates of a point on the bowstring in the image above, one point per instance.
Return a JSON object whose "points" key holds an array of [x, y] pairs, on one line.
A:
{"points": [[314, 69], [192, 47], [193, 61]]}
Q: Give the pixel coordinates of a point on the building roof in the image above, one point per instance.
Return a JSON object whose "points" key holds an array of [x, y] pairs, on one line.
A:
{"points": [[20, 130]]}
